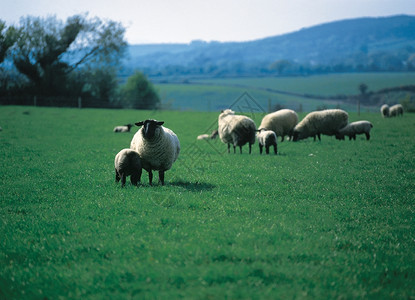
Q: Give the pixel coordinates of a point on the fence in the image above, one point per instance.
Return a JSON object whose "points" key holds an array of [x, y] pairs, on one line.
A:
{"points": [[56, 101]]}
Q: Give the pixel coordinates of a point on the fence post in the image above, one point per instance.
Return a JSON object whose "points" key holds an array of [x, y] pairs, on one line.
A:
{"points": [[79, 102], [34, 101]]}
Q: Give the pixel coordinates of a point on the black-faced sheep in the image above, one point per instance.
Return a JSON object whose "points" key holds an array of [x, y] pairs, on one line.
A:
{"points": [[396, 110], [125, 128], [127, 163], [236, 130], [157, 146], [282, 122], [327, 122], [266, 138], [354, 128], [384, 110]]}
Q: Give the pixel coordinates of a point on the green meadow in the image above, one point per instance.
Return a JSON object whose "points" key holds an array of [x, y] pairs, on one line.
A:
{"points": [[211, 94], [320, 220]]}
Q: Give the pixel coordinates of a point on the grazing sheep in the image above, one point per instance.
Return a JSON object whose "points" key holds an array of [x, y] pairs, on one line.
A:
{"points": [[236, 130], [384, 110], [125, 128], [157, 146], [127, 163], [282, 122], [327, 122], [354, 128], [396, 110], [266, 138], [212, 136]]}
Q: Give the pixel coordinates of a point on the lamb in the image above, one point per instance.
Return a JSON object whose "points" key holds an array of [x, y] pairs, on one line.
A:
{"points": [[327, 122], [236, 130], [125, 128], [396, 110], [127, 163], [157, 146], [282, 122], [354, 128], [384, 110], [266, 138]]}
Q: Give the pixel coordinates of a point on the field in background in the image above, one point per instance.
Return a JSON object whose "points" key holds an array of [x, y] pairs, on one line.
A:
{"points": [[329, 219], [214, 94]]}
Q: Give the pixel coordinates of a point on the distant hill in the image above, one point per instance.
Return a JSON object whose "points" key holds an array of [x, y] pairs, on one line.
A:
{"points": [[363, 44]]}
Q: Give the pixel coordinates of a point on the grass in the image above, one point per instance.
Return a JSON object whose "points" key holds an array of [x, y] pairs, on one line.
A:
{"points": [[329, 219], [211, 94]]}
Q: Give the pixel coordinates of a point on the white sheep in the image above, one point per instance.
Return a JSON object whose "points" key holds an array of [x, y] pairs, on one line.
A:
{"points": [[396, 110], [384, 110], [157, 146], [236, 130], [327, 122], [127, 163], [124, 128], [282, 122], [266, 138], [354, 128]]}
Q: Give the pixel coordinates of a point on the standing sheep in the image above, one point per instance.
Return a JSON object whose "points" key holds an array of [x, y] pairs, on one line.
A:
{"points": [[327, 122], [396, 110], [282, 122], [384, 110], [157, 146], [354, 128], [266, 138], [127, 163], [236, 130], [125, 128]]}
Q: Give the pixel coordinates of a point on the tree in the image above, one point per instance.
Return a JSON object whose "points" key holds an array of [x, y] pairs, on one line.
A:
{"points": [[47, 50], [7, 39], [139, 93]]}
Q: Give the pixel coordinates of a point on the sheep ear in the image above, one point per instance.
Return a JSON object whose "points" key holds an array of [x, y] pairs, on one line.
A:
{"points": [[141, 123], [160, 123]]}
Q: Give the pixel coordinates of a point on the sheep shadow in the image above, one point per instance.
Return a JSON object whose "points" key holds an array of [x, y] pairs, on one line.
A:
{"points": [[193, 186]]}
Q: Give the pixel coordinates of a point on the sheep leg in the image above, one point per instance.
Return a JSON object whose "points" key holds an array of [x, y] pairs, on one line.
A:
{"points": [[161, 177], [275, 149], [229, 148], [267, 149], [123, 179], [135, 178], [282, 138], [117, 177], [367, 136], [250, 148], [150, 177], [260, 149], [234, 149], [319, 137]]}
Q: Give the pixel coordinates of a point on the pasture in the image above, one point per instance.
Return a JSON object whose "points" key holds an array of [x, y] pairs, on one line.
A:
{"points": [[329, 219], [211, 94]]}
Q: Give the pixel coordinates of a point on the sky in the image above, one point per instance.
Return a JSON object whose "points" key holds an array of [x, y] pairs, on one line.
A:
{"points": [[181, 21]]}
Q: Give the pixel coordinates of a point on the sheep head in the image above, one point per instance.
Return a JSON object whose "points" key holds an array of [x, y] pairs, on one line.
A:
{"points": [[149, 127]]}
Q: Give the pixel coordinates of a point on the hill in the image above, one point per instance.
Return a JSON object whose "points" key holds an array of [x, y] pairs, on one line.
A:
{"points": [[363, 44]]}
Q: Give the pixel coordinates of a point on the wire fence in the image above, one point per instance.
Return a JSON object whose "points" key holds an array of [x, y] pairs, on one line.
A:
{"points": [[57, 101]]}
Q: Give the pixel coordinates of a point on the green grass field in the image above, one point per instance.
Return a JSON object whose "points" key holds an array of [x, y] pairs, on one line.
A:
{"points": [[211, 94], [321, 220]]}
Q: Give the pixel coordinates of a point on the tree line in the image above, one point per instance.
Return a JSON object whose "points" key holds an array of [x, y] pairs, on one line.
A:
{"points": [[78, 58]]}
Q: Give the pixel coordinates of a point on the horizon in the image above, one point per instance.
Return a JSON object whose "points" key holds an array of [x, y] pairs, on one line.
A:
{"points": [[184, 21]]}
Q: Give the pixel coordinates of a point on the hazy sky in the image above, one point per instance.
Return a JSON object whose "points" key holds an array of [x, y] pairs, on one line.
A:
{"points": [[164, 21]]}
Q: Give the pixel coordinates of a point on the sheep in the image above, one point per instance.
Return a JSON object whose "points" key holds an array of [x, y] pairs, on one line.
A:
{"points": [[236, 130], [384, 110], [266, 138], [282, 122], [157, 146], [127, 163], [396, 110], [125, 128], [354, 128], [327, 122], [212, 136]]}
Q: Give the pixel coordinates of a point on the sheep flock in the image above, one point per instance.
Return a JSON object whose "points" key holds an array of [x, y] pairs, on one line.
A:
{"points": [[155, 147]]}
